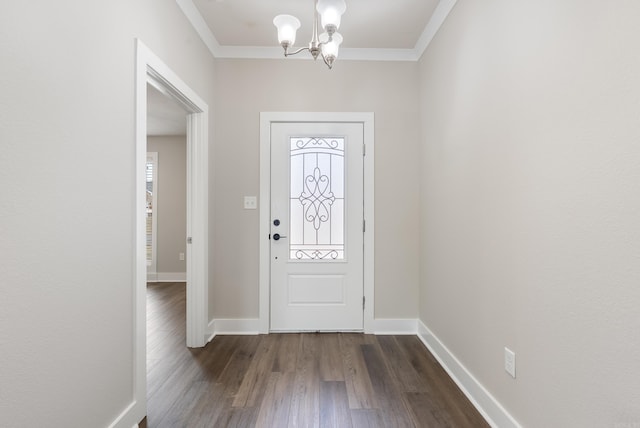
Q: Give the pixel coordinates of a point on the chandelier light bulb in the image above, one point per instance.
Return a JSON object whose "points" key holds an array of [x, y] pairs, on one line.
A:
{"points": [[326, 13], [330, 14], [287, 26], [330, 48]]}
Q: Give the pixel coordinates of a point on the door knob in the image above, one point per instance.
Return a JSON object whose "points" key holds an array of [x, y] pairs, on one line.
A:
{"points": [[277, 236]]}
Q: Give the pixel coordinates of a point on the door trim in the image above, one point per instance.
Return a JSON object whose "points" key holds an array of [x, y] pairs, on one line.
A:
{"points": [[151, 70], [266, 119]]}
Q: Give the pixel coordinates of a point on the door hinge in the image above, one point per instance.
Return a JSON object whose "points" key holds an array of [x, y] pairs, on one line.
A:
{"points": [[189, 240], [364, 225], [364, 150], [363, 301]]}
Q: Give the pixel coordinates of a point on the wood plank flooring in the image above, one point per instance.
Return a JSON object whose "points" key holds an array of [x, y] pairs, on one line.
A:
{"points": [[292, 380]]}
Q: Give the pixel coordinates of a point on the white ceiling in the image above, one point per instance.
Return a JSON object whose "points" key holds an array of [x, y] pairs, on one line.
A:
{"points": [[372, 29], [395, 24], [388, 30]]}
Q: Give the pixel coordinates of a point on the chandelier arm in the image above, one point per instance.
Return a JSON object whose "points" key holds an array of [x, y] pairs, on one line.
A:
{"points": [[287, 26], [286, 53]]}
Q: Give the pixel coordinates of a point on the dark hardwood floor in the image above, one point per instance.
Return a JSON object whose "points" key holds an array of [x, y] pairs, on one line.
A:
{"points": [[292, 380]]}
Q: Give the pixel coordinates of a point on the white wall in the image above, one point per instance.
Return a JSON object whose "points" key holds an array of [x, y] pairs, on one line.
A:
{"points": [[67, 144], [244, 88], [531, 204], [172, 202]]}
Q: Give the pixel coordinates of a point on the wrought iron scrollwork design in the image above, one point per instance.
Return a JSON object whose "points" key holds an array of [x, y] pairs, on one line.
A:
{"points": [[317, 254], [317, 198], [316, 142]]}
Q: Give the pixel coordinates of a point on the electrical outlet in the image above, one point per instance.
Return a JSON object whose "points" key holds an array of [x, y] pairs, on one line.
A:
{"points": [[250, 202], [510, 362], [181, 256]]}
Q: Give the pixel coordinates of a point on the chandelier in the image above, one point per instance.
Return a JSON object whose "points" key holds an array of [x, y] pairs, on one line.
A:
{"points": [[328, 12]]}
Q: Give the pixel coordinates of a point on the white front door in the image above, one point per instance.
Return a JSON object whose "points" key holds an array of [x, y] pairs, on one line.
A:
{"points": [[316, 226]]}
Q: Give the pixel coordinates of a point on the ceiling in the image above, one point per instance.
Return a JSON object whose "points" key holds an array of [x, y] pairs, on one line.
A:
{"points": [[372, 29], [387, 30], [366, 23]]}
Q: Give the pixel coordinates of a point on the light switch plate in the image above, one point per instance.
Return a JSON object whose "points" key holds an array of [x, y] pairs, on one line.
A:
{"points": [[250, 202], [510, 362]]}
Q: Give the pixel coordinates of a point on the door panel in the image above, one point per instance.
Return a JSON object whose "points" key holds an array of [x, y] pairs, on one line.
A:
{"points": [[316, 226], [316, 290]]}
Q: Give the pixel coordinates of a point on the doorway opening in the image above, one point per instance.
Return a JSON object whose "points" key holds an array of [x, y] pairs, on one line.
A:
{"points": [[166, 188], [150, 70]]}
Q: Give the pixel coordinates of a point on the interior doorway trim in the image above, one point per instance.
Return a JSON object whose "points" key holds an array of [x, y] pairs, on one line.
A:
{"points": [[266, 119], [151, 70]]}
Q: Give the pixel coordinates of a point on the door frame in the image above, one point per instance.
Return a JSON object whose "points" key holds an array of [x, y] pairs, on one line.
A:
{"points": [[367, 121], [151, 70]]}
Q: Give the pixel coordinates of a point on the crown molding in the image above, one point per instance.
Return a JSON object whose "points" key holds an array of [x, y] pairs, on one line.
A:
{"points": [[437, 19], [355, 54], [197, 21]]}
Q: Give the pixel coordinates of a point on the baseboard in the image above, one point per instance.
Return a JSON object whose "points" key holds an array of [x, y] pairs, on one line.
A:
{"points": [[211, 331], [129, 417], [250, 326], [167, 277], [243, 326], [487, 405], [395, 326]]}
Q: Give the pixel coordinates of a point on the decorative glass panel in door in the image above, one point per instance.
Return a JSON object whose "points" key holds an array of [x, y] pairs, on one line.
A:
{"points": [[316, 205]]}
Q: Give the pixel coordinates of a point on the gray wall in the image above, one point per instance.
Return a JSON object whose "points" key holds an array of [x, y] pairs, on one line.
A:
{"points": [[67, 180], [247, 87], [531, 204], [172, 201]]}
